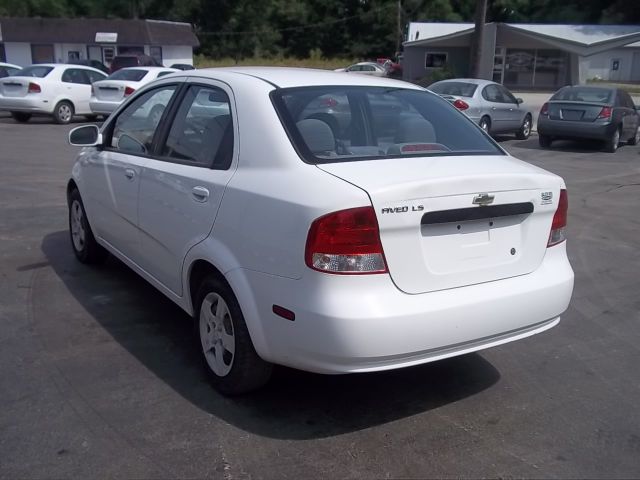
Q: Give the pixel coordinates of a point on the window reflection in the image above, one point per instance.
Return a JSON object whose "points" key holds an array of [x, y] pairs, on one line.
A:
{"points": [[545, 68]]}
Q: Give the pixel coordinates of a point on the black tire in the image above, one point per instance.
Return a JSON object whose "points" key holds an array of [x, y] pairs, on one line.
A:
{"points": [[63, 112], [611, 144], [636, 138], [485, 124], [544, 141], [525, 128], [241, 370], [21, 117], [91, 118], [83, 243]]}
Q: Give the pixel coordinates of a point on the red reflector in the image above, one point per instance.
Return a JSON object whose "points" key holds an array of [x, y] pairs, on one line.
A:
{"points": [[545, 109], [559, 223], [605, 112], [328, 102], [461, 104], [346, 242], [421, 147], [128, 91], [284, 313], [34, 88]]}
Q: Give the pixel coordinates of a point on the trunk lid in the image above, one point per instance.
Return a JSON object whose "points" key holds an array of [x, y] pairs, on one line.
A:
{"points": [[575, 111], [16, 86], [111, 90], [433, 234]]}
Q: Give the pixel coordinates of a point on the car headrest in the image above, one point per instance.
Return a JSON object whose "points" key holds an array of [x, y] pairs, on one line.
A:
{"points": [[317, 135], [415, 130]]}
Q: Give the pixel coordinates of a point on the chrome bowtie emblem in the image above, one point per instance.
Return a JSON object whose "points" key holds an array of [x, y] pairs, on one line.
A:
{"points": [[483, 199]]}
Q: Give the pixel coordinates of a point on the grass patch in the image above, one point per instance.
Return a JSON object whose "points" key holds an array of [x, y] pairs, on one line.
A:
{"points": [[323, 63], [631, 88]]}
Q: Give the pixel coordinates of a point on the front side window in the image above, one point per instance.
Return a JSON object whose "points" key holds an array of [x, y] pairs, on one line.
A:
{"points": [[136, 126], [202, 131], [95, 76], [491, 93], [339, 124], [75, 75]]}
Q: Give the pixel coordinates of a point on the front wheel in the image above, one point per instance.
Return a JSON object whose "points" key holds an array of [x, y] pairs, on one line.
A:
{"points": [[636, 138], [611, 144], [228, 353], [525, 129], [63, 112], [83, 243]]}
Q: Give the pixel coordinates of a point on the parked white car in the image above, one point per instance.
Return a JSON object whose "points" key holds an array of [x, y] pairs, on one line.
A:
{"points": [[8, 69], [108, 94], [366, 68], [405, 237], [59, 90]]}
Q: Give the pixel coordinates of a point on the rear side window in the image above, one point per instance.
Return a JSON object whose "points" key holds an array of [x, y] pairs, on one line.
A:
{"points": [[459, 89], [38, 71], [129, 75], [339, 124], [202, 131], [584, 94], [95, 76]]}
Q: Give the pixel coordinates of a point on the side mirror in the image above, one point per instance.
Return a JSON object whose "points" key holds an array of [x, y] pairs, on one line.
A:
{"points": [[85, 136], [519, 101]]}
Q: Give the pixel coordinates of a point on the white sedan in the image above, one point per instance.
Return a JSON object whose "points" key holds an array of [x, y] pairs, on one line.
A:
{"points": [[58, 90], [366, 68], [397, 238], [108, 94]]}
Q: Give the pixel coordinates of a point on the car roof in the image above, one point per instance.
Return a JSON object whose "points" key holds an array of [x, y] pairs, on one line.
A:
{"points": [[475, 81], [66, 65], [288, 77], [12, 65]]}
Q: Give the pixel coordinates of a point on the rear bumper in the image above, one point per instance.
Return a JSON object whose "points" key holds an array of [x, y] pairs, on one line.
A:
{"points": [[26, 104], [103, 107], [567, 129], [349, 324]]}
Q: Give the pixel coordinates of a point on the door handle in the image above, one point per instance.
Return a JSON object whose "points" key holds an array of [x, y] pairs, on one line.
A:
{"points": [[200, 194], [493, 108], [129, 173]]}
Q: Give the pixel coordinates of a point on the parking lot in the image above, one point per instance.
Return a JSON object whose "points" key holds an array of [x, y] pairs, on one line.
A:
{"points": [[99, 375]]}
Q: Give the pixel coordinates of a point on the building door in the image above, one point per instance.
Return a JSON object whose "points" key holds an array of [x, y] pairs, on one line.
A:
{"points": [[635, 67], [498, 65], [614, 72], [42, 54], [107, 55], [94, 52]]}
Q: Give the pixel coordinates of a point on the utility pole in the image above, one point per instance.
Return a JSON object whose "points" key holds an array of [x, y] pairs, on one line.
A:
{"points": [[399, 29], [478, 37]]}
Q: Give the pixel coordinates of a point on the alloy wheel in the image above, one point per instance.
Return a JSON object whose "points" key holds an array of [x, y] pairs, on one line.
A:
{"points": [[78, 233], [217, 334]]}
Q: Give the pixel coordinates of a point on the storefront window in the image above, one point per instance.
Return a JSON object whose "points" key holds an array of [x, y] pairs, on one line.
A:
{"points": [[529, 68]]}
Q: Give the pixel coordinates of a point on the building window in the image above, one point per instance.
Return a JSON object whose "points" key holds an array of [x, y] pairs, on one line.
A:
{"points": [[130, 50], [73, 55], [435, 60], [42, 54], [541, 68], [156, 54], [3, 57]]}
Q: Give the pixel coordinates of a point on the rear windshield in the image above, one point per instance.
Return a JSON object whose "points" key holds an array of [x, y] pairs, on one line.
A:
{"points": [[39, 71], [128, 75], [123, 62], [459, 89], [584, 94], [339, 124]]}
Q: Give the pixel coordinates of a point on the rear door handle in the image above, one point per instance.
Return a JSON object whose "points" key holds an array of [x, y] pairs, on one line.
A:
{"points": [[129, 173], [200, 194]]}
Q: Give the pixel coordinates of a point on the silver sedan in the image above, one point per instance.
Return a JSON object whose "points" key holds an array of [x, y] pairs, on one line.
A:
{"points": [[487, 103]]}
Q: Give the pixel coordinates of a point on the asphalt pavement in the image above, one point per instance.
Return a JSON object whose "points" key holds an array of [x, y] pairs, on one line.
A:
{"points": [[99, 375]]}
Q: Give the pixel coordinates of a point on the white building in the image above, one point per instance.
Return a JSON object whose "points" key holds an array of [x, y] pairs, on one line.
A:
{"points": [[527, 56], [24, 41]]}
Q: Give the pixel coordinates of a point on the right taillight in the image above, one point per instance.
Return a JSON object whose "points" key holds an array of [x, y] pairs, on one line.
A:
{"points": [[559, 224], [544, 110], [605, 113], [34, 88], [346, 242]]}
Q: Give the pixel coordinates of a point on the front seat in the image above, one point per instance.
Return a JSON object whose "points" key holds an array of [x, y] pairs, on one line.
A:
{"points": [[415, 130], [318, 136]]}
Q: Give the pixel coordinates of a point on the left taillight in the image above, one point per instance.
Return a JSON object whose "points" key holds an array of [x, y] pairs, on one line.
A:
{"points": [[34, 88], [461, 104], [346, 242], [128, 91], [558, 226]]}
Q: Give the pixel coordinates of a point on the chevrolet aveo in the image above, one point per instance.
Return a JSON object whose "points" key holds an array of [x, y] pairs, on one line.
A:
{"points": [[324, 221]]}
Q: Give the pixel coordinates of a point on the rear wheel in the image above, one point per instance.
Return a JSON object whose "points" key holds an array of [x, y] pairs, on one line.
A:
{"points": [[485, 124], [525, 129], [636, 138], [91, 118], [544, 141], [21, 117], [611, 145], [228, 353], [63, 113], [84, 244]]}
